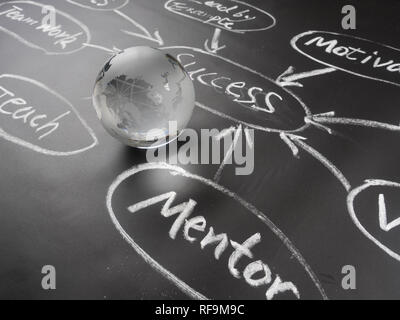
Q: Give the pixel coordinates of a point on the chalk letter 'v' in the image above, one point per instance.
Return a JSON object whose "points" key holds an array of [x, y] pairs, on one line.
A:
{"points": [[385, 226]]}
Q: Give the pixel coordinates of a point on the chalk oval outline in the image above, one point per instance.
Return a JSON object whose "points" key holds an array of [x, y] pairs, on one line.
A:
{"points": [[297, 37], [97, 9], [175, 170], [350, 208], [35, 46], [221, 27], [26, 144], [307, 112]]}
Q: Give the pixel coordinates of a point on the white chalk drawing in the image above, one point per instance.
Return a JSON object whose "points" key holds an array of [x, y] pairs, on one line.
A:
{"points": [[145, 33], [353, 194], [112, 51], [289, 137], [60, 42], [329, 118], [338, 51], [238, 132], [294, 142], [247, 207], [371, 61], [383, 223], [214, 47], [100, 5], [289, 78], [200, 74], [231, 15], [115, 7], [247, 102], [65, 38], [34, 121]]}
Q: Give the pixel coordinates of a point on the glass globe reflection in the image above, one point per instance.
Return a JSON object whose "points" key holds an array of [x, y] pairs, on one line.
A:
{"points": [[139, 92]]}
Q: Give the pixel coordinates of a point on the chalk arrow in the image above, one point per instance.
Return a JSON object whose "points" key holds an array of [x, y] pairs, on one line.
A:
{"points": [[231, 149], [295, 142], [214, 42], [383, 216], [289, 78], [319, 120], [112, 51], [312, 121], [145, 33], [288, 139], [237, 132], [249, 137]]}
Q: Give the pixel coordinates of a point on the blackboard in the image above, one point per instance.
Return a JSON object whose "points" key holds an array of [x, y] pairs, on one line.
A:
{"points": [[324, 193]]}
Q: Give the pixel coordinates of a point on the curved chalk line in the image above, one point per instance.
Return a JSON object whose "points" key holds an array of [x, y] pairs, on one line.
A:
{"points": [[96, 46], [36, 148], [356, 122], [327, 163], [236, 64], [147, 35], [297, 37], [175, 170], [228, 155], [153, 263], [257, 127], [350, 207]]}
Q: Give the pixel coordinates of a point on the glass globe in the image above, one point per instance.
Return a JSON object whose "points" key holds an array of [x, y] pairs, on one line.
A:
{"points": [[143, 97]]}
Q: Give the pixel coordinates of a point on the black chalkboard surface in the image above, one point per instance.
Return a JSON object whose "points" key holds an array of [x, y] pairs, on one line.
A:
{"points": [[323, 199]]}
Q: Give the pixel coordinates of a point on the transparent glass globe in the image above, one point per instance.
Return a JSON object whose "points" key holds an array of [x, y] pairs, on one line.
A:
{"points": [[140, 94]]}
